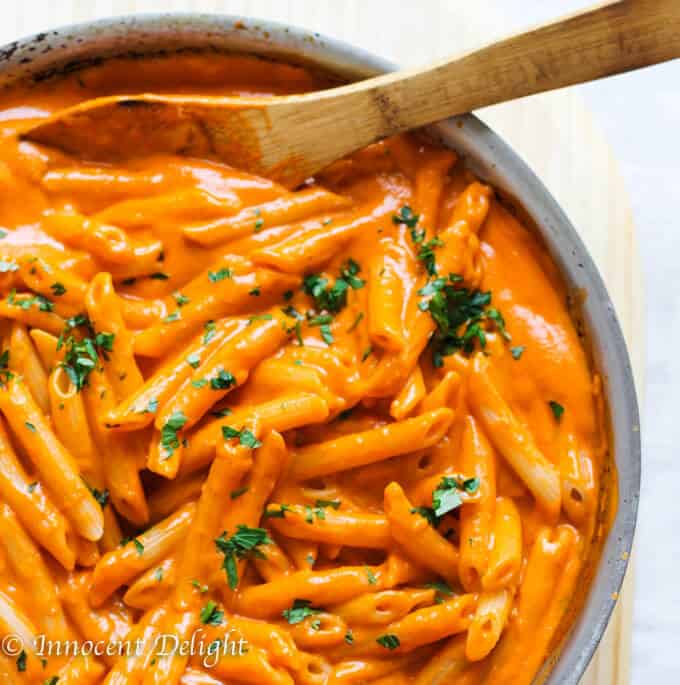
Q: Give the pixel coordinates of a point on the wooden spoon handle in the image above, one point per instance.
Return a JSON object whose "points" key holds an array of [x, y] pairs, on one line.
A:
{"points": [[608, 39]]}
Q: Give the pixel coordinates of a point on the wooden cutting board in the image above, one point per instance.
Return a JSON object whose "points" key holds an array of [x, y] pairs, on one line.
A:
{"points": [[554, 133]]}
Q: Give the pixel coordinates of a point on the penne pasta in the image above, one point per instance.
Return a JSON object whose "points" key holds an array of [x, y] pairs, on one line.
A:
{"points": [[336, 435]]}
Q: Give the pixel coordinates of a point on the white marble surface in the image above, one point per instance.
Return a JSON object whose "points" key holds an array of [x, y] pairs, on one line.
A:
{"points": [[640, 115]]}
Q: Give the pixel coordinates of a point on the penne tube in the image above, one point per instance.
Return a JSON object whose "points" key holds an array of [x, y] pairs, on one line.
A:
{"points": [[513, 440], [409, 396], [104, 311], [322, 631], [282, 210], [579, 491], [505, 557], [70, 420], [129, 667], [225, 475], [35, 313], [306, 250], [371, 446], [139, 409], [105, 242], [443, 394], [64, 287], [421, 627], [274, 562], [417, 538], [383, 607], [280, 414], [34, 507], [303, 553], [366, 669], [319, 587], [429, 184], [226, 369], [13, 621], [446, 665], [24, 360], [171, 495], [109, 624], [57, 468], [146, 550], [222, 290], [386, 294], [488, 623], [182, 204], [331, 526], [552, 553], [46, 346], [118, 463], [31, 571], [81, 670], [153, 586], [477, 518]]}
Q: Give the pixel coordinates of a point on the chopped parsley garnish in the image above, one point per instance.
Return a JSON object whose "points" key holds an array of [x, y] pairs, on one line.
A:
{"points": [[301, 609], [356, 322], [557, 409], [426, 254], [180, 299], [200, 383], [276, 513], [216, 276], [442, 588], [26, 302], [372, 580], [349, 637], [349, 272], [258, 225], [255, 292], [222, 412], [332, 299], [461, 315], [366, 353], [158, 574], [516, 352], [210, 615], [223, 380], [139, 547], [388, 641], [169, 440], [5, 373], [21, 661], [242, 544], [245, 437], [30, 426], [210, 332], [32, 486], [201, 588], [82, 353], [406, 216], [150, 408], [193, 360], [235, 494], [58, 289], [175, 316], [326, 334], [101, 496], [445, 497], [159, 276]]}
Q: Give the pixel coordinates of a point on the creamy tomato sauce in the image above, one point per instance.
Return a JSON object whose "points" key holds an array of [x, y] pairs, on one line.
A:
{"points": [[352, 425]]}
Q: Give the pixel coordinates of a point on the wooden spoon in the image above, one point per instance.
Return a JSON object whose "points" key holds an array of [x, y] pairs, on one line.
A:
{"points": [[290, 138]]}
